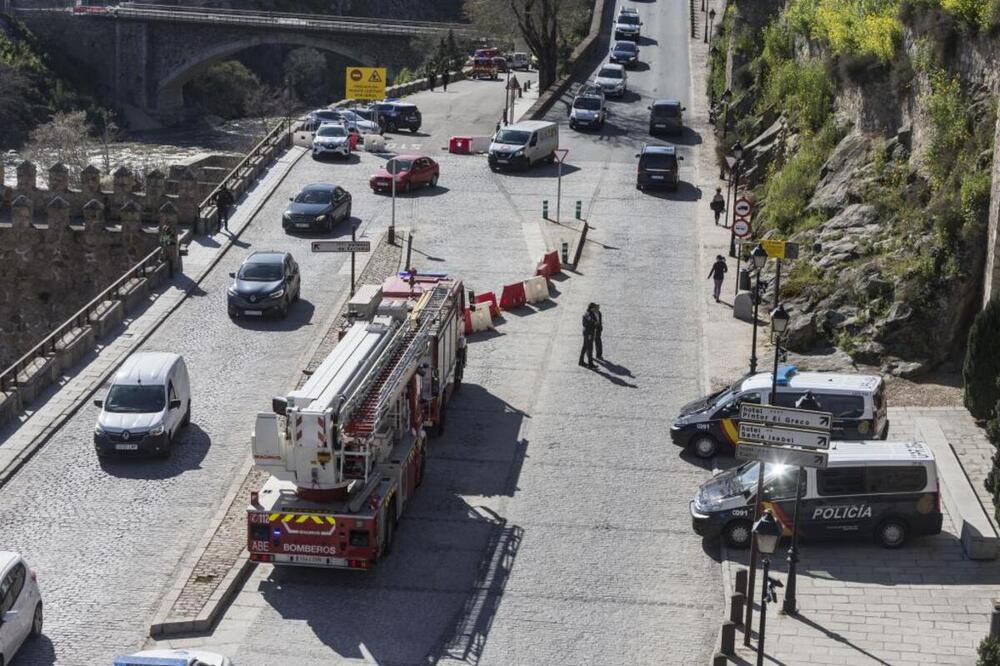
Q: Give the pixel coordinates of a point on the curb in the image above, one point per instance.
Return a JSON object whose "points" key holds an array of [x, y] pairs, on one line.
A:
{"points": [[25, 454]]}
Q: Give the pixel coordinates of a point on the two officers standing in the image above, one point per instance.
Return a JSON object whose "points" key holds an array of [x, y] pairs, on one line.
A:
{"points": [[593, 326]]}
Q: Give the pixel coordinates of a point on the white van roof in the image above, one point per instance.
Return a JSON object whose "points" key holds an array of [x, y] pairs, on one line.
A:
{"points": [[531, 125], [789, 377], [878, 452], [146, 368]]}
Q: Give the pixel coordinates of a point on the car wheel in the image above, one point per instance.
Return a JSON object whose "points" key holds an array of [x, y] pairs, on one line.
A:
{"points": [[704, 446], [283, 311], [169, 448], [187, 415], [892, 533], [434, 180], [551, 159], [36, 622], [347, 215], [737, 534], [414, 129], [406, 188]]}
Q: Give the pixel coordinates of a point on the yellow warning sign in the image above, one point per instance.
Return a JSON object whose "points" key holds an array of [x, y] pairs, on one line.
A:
{"points": [[366, 83]]}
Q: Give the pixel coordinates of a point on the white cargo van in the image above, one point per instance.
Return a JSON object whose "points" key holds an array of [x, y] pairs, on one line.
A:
{"points": [[524, 144], [148, 402]]}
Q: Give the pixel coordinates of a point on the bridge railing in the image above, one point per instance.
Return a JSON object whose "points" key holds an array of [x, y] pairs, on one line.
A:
{"points": [[8, 378], [244, 174]]}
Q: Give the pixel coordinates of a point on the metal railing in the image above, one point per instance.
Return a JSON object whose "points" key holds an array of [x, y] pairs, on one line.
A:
{"points": [[8, 378], [278, 135]]}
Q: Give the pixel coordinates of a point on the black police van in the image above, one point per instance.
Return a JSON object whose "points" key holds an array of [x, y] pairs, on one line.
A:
{"points": [[885, 490], [393, 116], [857, 402]]}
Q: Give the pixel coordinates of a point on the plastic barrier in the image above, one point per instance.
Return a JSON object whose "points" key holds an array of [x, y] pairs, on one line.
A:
{"points": [[552, 261], [467, 319], [536, 289], [513, 296], [491, 298], [481, 144], [374, 143], [478, 320], [543, 270], [460, 145]]}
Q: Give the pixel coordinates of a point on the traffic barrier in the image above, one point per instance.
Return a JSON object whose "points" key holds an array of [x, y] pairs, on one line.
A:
{"points": [[491, 298], [478, 320], [513, 296], [543, 270], [552, 261], [374, 143], [460, 145], [536, 289], [481, 144]]}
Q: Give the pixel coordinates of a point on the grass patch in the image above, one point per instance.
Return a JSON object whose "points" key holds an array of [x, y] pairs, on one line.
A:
{"points": [[788, 190], [801, 92]]}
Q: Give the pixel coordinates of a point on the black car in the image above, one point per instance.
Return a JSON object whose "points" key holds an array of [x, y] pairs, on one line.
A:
{"points": [[393, 116], [666, 115], [318, 207], [266, 283], [626, 53], [658, 167]]}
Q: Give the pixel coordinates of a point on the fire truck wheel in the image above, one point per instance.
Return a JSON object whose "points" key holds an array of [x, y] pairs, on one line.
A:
{"points": [[439, 428], [704, 446], [737, 534], [390, 528], [422, 467]]}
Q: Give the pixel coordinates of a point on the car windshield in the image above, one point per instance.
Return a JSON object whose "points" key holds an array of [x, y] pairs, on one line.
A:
{"points": [[610, 73], [331, 130], [626, 46], [745, 476], [397, 166], [135, 399], [658, 161], [349, 115], [327, 115], [516, 137], [629, 19], [260, 272], [589, 103], [667, 110], [314, 197]]}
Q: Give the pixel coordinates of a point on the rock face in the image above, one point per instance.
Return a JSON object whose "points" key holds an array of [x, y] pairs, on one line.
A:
{"points": [[844, 176]]}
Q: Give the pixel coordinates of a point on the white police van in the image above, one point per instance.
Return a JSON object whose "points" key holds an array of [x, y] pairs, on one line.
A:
{"points": [[885, 490]]}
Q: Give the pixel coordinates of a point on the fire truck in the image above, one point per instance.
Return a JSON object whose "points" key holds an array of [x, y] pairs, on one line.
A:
{"points": [[346, 451]]}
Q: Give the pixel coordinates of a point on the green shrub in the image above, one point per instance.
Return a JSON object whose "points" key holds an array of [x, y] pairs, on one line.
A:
{"points": [[979, 13], [224, 90], [989, 652], [788, 190], [850, 26], [801, 92], [982, 363]]}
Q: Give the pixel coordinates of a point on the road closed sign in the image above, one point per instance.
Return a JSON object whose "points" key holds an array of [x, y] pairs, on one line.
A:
{"points": [[367, 83], [741, 228], [743, 207]]}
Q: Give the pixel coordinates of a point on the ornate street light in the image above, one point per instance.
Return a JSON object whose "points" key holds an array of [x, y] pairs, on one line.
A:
{"points": [[766, 534]]}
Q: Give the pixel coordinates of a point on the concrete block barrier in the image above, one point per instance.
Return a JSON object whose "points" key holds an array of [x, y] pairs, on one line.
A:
{"points": [[374, 143], [536, 289], [513, 296]]}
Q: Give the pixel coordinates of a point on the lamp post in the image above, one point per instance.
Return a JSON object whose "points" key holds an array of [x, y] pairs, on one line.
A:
{"points": [[390, 166], [766, 534], [759, 258], [779, 324], [789, 605], [506, 97], [708, 28], [737, 166]]}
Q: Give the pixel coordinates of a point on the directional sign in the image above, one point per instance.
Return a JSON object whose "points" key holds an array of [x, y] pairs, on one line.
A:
{"points": [[742, 207], [341, 246], [776, 436], [741, 227], [770, 454], [366, 83], [786, 416], [779, 249]]}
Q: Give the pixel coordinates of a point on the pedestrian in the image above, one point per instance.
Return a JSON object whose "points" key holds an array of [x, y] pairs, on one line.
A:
{"points": [[445, 77], [718, 274], [598, 345], [431, 79], [718, 204], [223, 203], [589, 330], [170, 248]]}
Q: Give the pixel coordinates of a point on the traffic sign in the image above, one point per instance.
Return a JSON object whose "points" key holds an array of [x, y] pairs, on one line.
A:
{"points": [[782, 456], [742, 207], [741, 227], [779, 249], [778, 436], [341, 246], [366, 83], [786, 416]]}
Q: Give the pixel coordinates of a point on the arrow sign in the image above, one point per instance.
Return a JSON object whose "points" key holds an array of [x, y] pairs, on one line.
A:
{"points": [[341, 246], [775, 436], [786, 416], [770, 454]]}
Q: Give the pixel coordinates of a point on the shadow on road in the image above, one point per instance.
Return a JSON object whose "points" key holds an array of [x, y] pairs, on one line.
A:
{"points": [[190, 447], [299, 314]]}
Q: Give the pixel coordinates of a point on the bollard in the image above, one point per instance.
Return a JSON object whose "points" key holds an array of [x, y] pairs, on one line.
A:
{"points": [[741, 581], [565, 253], [736, 602], [728, 646], [995, 619], [579, 209], [545, 209]]}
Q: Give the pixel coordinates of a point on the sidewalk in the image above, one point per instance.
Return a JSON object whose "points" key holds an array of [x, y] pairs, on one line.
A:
{"points": [[47, 415]]}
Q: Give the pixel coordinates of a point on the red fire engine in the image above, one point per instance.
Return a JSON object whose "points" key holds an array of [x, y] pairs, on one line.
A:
{"points": [[346, 451]]}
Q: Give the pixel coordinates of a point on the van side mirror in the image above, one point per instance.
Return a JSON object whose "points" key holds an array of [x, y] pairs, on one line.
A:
{"points": [[98, 403], [649, 108], [175, 404], [232, 275], [279, 406], [638, 155], [680, 157], [684, 108]]}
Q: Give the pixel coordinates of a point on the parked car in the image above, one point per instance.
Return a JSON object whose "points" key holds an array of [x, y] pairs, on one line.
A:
{"points": [[626, 53], [393, 116], [173, 658], [320, 116], [266, 283], [20, 605], [410, 171], [524, 144], [666, 115], [147, 404], [589, 109], [520, 60], [613, 80], [628, 25], [318, 207], [332, 139], [658, 167], [357, 118], [484, 68]]}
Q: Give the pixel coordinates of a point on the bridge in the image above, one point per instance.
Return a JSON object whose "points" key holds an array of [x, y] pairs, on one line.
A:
{"points": [[142, 55]]}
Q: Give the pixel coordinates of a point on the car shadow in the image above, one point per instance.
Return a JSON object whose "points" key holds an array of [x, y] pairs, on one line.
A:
{"points": [[647, 41], [543, 170], [686, 137], [37, 650], [416, 193], [299, 314], [641, 66], [191, 446], [685, 192], [628, 97], [353, 158]]}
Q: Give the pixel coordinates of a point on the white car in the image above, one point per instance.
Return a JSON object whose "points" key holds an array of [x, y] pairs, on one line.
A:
{"points": [[173, 658], [20, 605], [332, 139], [352, 120], [612, 80]]}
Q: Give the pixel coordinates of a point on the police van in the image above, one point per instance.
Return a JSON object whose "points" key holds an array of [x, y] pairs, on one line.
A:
{"points": [[885, 490], [857, 403]]}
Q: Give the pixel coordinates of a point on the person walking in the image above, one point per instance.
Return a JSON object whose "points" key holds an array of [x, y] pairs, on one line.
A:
{"points": [[718, 274], [223, 203], [718, 204], [431, 79], [589, 330], [170, 248], [598, 329], [445, 77]]}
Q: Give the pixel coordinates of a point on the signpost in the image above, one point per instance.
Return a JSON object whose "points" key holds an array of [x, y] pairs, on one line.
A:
{"points": [[365, 83], [779, 249], [782, 456], [353, 246], [561, 154], [786, 416], [783, 437], [742, 207], [742, 229]]}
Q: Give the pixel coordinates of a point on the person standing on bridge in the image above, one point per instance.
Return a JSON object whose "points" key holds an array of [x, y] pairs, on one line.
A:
{"points": [[590, 322], [431, 78], [445, 77], [223, 203]]}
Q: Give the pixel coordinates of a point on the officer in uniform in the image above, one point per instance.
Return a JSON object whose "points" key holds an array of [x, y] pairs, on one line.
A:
{"points": [[589, 332]]}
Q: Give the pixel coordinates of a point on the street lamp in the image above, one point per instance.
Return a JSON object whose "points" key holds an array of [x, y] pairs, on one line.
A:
{"points": [[759, 258], [779, 324], [766, 534], [506, 97], [788, 606], [711, 20], [391, 167], [737, 153]]}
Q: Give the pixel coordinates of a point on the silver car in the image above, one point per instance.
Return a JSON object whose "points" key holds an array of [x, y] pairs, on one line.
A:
{"points": [[612, 80]]}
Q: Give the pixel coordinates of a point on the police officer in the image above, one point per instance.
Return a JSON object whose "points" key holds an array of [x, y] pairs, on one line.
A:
{"points": [[171, 250], [589, 331], [598, 330], [223, 202]]}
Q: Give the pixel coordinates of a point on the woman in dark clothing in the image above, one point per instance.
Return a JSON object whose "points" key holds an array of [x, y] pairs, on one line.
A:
{"points": [[718, 274]]}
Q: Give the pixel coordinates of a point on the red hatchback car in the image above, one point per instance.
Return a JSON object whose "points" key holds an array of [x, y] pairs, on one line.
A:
{"points": [[411, 171]]}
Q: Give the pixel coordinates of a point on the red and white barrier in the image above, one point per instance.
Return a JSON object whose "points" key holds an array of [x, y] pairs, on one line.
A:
{"points": [[536, 289], [481, 144], [478, 320], [460, 145], [513, 296], [490, 298]]}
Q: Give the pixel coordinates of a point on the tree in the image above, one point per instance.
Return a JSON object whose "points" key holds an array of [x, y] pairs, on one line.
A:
{"points": [[989, 652], [66, 138], [224, 90], [108, 132], [305, 74], [16, 116], [548, 27], [264, 106], [982, 362]]}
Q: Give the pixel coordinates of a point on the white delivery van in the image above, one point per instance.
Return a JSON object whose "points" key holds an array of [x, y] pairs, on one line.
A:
{"points": [[148, 402], [524, 144]]}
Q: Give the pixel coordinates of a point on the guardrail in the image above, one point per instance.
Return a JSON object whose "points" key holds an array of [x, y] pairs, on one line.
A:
{"points": [[8, 378]]}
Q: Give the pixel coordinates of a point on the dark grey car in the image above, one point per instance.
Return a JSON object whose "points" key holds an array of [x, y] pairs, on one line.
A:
{"points": [[318, 207], [666, 115], [266, 283]]}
